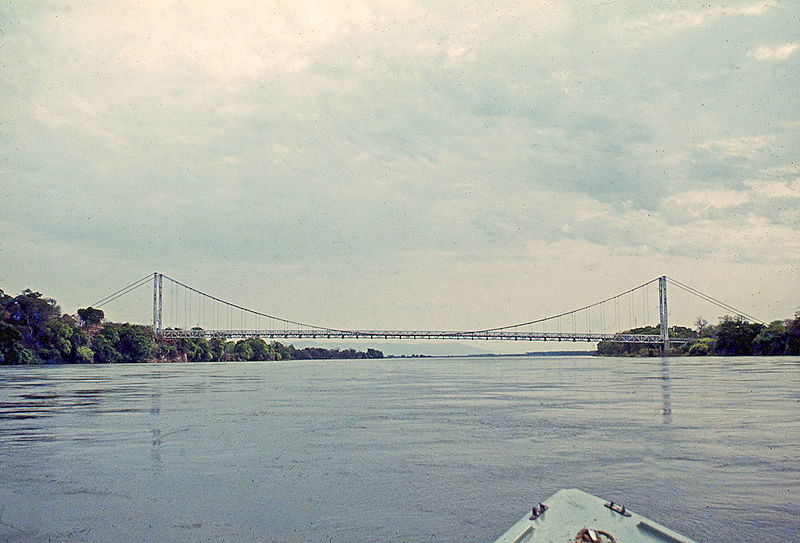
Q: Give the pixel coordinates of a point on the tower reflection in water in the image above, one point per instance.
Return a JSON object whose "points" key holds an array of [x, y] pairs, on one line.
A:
{"points": [[666, 404]]}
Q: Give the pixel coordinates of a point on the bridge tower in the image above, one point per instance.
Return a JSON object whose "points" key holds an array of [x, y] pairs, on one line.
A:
{"points": [[158, 286], [662, 307]]}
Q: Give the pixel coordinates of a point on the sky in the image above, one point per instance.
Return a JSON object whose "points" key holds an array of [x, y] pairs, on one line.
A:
{"points": [[402, 164]]}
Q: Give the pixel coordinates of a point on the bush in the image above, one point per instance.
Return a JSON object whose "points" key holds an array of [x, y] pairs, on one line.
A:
{"points": [[700, 348]]}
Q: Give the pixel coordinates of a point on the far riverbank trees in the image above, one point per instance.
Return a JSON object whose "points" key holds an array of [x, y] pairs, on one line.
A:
{"points": [[733, 336], [251, 349], [34, 331]]}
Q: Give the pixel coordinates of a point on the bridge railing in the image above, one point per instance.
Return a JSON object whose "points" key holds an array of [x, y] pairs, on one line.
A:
{"points": [[418, 334]]}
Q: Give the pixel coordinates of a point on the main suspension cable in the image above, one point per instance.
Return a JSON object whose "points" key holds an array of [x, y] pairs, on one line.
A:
{"points": [[564, 314], [122, 292], [229, 305], [714, 301]]}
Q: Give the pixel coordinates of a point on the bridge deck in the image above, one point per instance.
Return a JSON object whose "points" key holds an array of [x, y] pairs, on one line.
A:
{"points": [[501, 335]]}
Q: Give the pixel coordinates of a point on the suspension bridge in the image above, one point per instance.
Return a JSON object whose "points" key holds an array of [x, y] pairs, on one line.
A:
{"points": [[182, 311]]}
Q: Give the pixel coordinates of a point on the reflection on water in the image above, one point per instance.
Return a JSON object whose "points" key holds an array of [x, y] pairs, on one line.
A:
{"points": [[155, 428], [666, 408], [395, 450]]}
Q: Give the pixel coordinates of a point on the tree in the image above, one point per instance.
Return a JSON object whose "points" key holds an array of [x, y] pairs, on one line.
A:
{"points": [[282, 352], [612, 348], [772, 339], [34, 331], [793, 335], [228, 353], [117, 343], [60, 341], [703, 329], [135, 342], [12, 351], [217, 348], [31, 312], [734, 336], [104, 345], [91, 316], [261, 350], [701, 348], [681, 331], [84, 355], [242, 350], [197, 350]]}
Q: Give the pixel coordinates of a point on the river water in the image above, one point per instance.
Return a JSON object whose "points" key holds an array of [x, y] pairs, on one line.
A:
{"points": [[397, 449]]}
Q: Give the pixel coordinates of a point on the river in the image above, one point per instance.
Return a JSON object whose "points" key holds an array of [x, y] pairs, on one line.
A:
{"points": [[420, 450]]}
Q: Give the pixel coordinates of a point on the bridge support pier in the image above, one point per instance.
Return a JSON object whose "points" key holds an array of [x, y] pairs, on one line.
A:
{"points": [[662, 307], [158, 285]]}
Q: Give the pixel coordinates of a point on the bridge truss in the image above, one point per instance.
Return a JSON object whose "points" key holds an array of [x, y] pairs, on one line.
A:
{"points": [[417, 334]]}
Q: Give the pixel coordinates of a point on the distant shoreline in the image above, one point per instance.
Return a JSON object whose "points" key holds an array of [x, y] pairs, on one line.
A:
{"points": [[499, 355]]}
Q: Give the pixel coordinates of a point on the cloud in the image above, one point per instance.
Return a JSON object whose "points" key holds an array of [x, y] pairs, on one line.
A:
{"points": [[776, 189], [745, 147], [671, 21], [756, 9], [780, 52], [488, 136], [710, 199]]}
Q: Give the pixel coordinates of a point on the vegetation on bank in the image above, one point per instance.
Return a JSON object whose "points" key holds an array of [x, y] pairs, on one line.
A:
{"points": [[733, 336], [251, 349], [34, 331]]}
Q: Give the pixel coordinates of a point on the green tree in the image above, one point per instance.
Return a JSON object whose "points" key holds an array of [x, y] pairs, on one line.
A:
{"points": [[681, 331], [282, 352], [84, 355], [217, 348], [734, 336], [701, 348], [772, 339], [56, 342], [117, 343], [242, 350], [30, 312], [104, 345], [612, 348], [197, 350], [793, 335], [12, 350], [91, 316], [229, 353], [135, 342], [261, 350]]}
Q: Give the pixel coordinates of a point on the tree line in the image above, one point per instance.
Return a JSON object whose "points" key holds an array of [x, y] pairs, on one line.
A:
{"points": [[251, 349], [733, 336], [33, 330]]}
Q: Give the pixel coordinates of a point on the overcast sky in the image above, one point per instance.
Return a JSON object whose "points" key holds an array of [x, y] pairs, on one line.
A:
{"points": [[402, 164]]}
